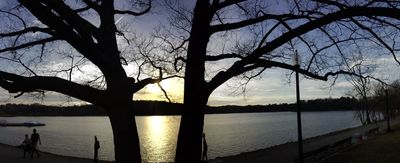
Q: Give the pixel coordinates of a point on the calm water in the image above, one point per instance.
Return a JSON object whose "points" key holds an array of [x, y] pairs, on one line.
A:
{"points": [[227, 134]]}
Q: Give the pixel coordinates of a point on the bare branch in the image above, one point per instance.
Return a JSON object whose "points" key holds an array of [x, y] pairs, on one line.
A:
{"points": [[247, 22], [223, 56], [217, 6], [27, 30], [29, 44], [133, 13], [329, 18], [142, 83], [165, 92], [377, 38], [16, 83]]}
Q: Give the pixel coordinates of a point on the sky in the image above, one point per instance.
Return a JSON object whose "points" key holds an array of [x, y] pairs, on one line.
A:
{"points": [[274, 86]]}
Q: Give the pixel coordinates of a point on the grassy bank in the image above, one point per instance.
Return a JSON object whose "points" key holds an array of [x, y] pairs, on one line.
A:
{"points": [[383, 148]]}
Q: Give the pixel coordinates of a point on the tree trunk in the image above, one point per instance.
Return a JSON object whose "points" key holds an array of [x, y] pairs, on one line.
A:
{"points": [[189, 146], [126, 139], [196, 92]]}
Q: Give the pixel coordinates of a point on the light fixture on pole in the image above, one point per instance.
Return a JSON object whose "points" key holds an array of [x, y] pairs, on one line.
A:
{"points": [[296, 63], [387, 107]]}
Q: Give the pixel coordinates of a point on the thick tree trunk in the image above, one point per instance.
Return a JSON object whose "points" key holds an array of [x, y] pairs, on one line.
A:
{"points": [[196, 92], [189, 146], [126, 140]]}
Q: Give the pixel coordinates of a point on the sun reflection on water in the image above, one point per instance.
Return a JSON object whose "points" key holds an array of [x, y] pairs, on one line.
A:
{"points": [[160, 138], [156, 130]]}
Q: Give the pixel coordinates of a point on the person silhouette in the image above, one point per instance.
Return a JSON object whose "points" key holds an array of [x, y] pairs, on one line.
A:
{"points": [[96, 149], [35, 138], [205, 148], [26, 145]]}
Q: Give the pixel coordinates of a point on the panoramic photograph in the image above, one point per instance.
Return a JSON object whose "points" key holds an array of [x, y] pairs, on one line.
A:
{"points": [[199, 81]]}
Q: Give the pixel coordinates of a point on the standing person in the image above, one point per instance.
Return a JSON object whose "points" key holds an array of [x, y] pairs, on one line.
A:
{"points": [[96, 149], [26, 145], [35, 138], [205, 148]]}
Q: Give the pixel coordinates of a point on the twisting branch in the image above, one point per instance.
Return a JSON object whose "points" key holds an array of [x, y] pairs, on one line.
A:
{"points": [[15, 15], [17, 84], [223, 56], [27, 30], [142, 83], [133, 13], [92, 4], [376, 36], [247, 22], [176, 63], [216, 5], [165, 92], [29, 44]]}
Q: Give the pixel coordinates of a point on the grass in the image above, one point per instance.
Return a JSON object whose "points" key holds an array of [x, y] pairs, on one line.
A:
{"points": [[384, 148]]}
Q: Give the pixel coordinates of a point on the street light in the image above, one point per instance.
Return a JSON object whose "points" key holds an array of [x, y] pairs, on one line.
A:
{"points": [[387, 108], [296, 62]]}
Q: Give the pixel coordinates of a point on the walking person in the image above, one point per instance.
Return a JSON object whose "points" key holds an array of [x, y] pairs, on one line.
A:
{"points": [[96, 149], [26, 145], [205, 148], [35, 138]]}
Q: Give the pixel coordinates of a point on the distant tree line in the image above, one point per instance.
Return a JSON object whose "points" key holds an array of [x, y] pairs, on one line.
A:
{"points": [[376, 99], [166, 108]]}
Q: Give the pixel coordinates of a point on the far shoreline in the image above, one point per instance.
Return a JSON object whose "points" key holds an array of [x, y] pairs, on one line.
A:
{"points": [[213, 113]]}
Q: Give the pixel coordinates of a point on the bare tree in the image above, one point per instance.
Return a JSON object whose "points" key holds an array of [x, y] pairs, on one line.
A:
{"points": [[217, 40], [45, 42], [362, 89], [389, 92]]}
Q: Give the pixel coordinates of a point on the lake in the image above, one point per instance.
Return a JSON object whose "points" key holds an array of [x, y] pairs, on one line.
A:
{"points": [[226, 134]]}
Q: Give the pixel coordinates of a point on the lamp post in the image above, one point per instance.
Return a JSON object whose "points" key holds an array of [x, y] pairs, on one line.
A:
{"points": [[299, 132], [387, 109]]}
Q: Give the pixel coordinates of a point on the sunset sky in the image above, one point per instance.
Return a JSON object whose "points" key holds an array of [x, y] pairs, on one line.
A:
{"points": [[273, 86]]}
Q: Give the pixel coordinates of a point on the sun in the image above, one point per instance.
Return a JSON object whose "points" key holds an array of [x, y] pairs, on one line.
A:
{"points": [[173, 87]]}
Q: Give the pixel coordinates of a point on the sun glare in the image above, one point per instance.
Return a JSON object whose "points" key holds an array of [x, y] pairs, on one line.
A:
{"points": [[173, 87]]}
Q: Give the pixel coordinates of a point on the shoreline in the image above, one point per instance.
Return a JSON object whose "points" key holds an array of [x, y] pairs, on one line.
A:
{"points": [[283, 145], [12, 154], [58, 157], [288, 152]]}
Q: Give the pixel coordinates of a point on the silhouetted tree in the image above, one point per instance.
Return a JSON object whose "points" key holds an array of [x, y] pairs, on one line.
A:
{"points": [[35, 32], [218, 40], [362, 89], [379, 97]]}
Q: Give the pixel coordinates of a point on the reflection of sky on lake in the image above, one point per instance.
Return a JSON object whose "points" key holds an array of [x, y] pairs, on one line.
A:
{"points": [[226, 134]]}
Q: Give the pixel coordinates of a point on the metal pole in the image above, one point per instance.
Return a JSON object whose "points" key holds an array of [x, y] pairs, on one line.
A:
{"points": [[299, 132], [387, 111]]}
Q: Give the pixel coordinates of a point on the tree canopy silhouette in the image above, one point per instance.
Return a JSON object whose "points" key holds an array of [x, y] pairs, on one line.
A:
{"points": [[44, 43], [216, 41]]}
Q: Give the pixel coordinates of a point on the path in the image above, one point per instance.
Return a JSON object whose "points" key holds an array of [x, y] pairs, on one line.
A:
{"points": [[9, 154], [287, 153]]}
